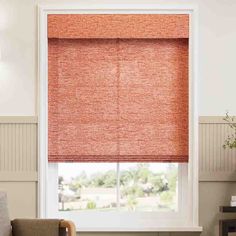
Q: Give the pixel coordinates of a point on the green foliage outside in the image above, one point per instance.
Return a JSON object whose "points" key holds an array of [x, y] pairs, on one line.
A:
{"points": [[91, 205], [136, 182]]}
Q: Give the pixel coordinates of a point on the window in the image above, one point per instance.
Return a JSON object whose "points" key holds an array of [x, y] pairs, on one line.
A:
{"points": [[124, 186], [149, 193], [151, 179]]}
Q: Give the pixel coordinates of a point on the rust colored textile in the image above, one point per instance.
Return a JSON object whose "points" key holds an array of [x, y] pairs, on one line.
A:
{"points": [[117, 100], [118, 26]]}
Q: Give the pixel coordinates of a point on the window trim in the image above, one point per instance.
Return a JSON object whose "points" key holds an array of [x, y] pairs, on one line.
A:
{"points": [[43, 11]]}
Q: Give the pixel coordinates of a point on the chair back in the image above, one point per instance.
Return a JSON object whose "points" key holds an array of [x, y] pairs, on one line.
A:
{"points": [[5, 224]]}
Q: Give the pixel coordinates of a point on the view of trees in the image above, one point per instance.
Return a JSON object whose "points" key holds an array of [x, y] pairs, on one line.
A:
{"points": [[140, 187]]}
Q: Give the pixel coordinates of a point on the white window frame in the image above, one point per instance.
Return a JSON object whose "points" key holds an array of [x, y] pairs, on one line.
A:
{"points": [[146, 221]]}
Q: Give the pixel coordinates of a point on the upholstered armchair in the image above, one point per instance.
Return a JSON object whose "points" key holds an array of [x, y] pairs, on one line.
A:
{"points": [[42, 227], [32, 227]]}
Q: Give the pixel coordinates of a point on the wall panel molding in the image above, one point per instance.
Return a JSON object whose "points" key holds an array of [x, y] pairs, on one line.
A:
{"points": [[215, 162], [18, 120], [18, 148], [211, 120], [219, 176]]}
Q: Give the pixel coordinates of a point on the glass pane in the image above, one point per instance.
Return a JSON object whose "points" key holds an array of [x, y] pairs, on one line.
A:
{"points": [[148, 186], [87, 186]]}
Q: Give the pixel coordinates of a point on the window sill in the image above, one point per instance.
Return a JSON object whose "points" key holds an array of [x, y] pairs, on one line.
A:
{"points": [[143, 229]]}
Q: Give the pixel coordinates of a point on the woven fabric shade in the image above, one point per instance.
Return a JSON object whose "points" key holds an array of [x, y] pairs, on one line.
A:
{"points": [[118, 100], [73, 26]]}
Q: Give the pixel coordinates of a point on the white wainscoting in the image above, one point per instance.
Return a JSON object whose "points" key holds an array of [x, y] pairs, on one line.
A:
{"points": [[18, 148], [215, 162]]}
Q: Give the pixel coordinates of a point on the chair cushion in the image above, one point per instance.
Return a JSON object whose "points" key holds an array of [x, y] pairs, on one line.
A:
{"points": [[5, 224]]}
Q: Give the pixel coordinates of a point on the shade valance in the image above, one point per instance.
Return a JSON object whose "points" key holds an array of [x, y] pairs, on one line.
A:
{"points": [[118, 26]]}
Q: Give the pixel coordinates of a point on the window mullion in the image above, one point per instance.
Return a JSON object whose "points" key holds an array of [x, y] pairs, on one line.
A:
{"points": [[118, 185]]}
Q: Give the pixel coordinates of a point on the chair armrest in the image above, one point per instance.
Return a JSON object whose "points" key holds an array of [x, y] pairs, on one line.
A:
{"points": [[70, 227]]}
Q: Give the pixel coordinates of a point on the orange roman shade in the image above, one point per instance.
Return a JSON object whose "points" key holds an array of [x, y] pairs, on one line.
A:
{"points": [[117, 99], [72, 26]]}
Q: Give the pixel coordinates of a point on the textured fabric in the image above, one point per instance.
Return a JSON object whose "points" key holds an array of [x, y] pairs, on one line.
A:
{"points": [[118, 100], [5, 225], [27, 227], [118, 26]]}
